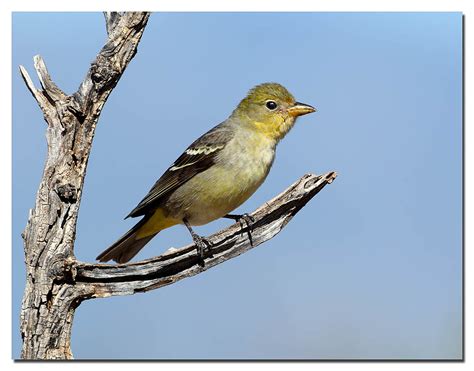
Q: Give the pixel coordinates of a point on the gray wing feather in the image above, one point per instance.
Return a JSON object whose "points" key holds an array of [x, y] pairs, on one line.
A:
{"points": [[198, 157]]}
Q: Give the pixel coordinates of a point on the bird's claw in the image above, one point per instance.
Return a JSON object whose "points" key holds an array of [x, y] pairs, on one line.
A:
{"points": [[248, 219], [201, 245]]}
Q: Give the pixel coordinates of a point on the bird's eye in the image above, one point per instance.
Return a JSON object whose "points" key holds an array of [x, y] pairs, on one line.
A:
{"points": [[271, 105]]}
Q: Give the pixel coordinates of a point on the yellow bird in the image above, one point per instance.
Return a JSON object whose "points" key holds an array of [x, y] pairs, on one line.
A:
{"points": [[216, 173]]}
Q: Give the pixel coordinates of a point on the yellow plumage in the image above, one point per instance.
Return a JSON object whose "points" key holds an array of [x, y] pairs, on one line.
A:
{"points": [[156, 223]]}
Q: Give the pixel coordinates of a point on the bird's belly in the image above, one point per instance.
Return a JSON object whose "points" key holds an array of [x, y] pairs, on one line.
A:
{"points": [[217, 191]]}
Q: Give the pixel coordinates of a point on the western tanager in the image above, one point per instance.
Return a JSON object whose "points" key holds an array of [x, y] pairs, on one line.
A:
{"points": [[217, 172]]}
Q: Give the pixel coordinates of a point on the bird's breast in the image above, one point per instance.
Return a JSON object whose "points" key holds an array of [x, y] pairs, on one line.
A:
{"points": [[239, 170], [249, 159]]}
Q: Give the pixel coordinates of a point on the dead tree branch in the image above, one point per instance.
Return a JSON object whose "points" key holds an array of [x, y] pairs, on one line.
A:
{"points": [[103, 280], [56, 282]]}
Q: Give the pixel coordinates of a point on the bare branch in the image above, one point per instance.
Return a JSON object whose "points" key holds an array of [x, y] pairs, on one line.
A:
{"points": [[31, 87], [47, 83], [110, 63], [269, 219], [111, 20]]}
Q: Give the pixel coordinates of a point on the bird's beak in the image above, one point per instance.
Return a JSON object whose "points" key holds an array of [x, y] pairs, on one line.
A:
{"points": [[300, 109]]}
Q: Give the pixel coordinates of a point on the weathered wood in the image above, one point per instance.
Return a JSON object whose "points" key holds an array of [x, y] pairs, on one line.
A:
{"points": [[111, 19], [56, 282], [126, 279], [49, 300]]}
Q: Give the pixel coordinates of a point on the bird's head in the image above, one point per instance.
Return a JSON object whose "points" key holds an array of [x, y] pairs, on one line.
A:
{"points": [[271, 110]]}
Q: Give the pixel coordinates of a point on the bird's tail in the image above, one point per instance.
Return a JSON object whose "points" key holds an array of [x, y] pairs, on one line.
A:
{"points": [[128, 245]]}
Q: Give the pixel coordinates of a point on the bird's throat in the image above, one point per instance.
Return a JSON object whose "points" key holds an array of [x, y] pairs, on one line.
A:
{"points": [[275, 130]]}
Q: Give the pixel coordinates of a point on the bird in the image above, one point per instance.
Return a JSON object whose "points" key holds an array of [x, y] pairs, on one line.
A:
{"points": [[216, 173]]}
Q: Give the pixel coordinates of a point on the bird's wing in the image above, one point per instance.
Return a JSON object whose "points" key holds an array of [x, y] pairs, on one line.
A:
{"points": [[198, 157]]}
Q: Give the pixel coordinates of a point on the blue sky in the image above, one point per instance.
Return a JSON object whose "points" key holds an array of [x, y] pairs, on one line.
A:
{"points": [[370, 268]]}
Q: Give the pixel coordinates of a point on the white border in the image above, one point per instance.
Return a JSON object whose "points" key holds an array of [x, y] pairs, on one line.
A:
{"points": [[242, 5], [7, 7]]}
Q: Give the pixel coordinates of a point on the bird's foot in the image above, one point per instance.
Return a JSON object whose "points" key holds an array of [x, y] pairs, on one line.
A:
{"points": [[201, 245], [241, 218], [200, 242], [244, 218]]}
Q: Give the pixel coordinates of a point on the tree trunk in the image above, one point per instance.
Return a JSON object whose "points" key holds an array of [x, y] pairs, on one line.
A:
{"points": [[56, 282], [50, 299]]}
